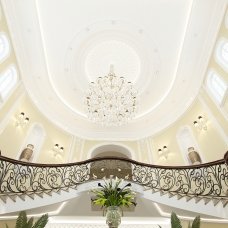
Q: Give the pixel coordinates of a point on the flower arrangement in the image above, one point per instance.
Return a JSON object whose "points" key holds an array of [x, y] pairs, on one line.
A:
{"points": [[112, 194]]}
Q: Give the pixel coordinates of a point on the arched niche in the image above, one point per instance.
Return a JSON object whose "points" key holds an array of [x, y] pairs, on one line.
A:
{"points": [[100, 169], [35, 137], [188, 146], [110, 150]]}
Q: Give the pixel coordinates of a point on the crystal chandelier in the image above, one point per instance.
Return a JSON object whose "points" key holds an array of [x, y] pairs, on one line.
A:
{"points": [[111, 100]]}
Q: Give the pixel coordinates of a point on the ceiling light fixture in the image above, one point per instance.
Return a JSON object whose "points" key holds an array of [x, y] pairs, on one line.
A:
{"points": [[111, 100]]}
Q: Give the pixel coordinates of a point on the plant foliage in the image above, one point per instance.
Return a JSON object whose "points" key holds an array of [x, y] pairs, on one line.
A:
{"points": [[196, 222], [112, 194], [41, 222], [23, 222], [175, 222]]}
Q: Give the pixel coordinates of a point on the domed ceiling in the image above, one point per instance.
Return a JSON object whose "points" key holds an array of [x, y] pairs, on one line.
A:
{"points": [[161, 46]]}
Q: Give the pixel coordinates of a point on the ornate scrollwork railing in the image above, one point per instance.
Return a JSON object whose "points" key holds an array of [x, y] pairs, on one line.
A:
{"points": [[206, 181]]}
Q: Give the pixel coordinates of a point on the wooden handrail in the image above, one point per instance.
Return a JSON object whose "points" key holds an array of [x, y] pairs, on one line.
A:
{"points": [[221, 161]]}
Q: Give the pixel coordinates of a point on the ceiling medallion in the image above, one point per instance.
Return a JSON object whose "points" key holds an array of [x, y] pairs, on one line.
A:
{"points": [[111, 100]]}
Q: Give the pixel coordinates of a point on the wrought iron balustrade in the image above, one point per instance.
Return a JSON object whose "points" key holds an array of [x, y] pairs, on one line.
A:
{"points": [[207, 181]]}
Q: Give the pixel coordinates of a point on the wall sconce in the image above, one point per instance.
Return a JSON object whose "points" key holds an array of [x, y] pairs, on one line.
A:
{"points": [[22, 120], [200, 123], [58, 150], [164, 152]]}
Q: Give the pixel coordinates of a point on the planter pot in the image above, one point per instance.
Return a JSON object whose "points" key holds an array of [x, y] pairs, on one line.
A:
{"points": [[113, 216]]}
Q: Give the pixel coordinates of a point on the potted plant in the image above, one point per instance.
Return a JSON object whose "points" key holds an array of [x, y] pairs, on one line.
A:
{"points": [[23, 222], [112, 196]]}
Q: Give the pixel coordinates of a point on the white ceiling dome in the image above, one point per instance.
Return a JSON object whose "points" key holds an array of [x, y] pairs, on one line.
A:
{"points": [[160, 46]]}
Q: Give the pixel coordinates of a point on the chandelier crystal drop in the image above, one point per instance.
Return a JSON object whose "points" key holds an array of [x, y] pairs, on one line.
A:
{"points": [[111, 100]]}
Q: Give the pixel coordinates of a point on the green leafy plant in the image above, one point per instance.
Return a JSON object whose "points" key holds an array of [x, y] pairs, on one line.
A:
{"points": [[195, 223], [175, 222], [112, 194], [23, 222]]}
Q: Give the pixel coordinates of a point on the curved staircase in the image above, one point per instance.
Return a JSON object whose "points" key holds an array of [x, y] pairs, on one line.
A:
{"points": [[200, 188]]}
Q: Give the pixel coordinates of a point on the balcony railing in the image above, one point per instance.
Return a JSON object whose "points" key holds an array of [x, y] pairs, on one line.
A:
{"points": [[207, 181]]}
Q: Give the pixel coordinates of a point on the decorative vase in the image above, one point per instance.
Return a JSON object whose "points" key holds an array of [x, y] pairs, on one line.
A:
{"points": [[113, 216], [194, 156], [26, 154]]}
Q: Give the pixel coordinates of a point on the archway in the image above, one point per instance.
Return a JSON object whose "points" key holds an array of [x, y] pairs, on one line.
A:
{"points": [[114, 167]]}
